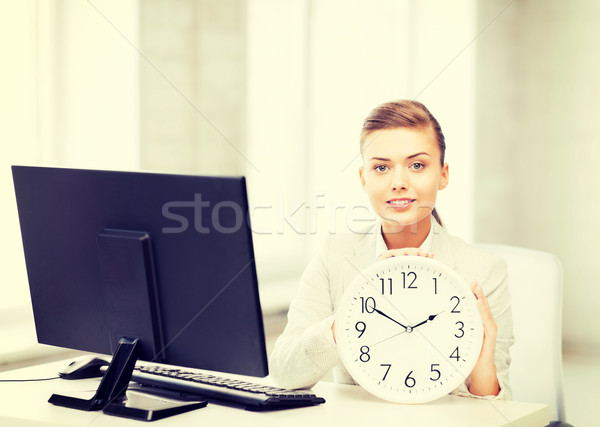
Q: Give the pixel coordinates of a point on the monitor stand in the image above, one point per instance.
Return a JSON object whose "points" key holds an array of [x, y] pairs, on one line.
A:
{"points": [[111, 396], [129, 286]]}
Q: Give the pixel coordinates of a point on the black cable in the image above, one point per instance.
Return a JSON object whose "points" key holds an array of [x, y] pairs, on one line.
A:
{"points": [[21, 381]]}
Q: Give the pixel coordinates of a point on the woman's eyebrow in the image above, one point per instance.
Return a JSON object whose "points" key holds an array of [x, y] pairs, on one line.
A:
{"points": [[385, 159], [379, 159], [418, 154]]}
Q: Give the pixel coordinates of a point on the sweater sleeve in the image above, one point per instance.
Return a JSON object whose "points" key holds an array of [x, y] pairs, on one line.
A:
{"points": [[306, 351]]}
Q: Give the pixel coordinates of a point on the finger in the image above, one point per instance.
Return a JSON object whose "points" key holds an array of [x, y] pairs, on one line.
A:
{"points": [[333, 331], [405, 252], [489, 325], [390, 254], [478, 291], [486, 314], [474, 288], [482, 303], [482, 297], [410, 251]]}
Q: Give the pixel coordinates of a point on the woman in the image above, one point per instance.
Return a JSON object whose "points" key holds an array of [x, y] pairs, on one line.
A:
{"points": [[403, 150]]}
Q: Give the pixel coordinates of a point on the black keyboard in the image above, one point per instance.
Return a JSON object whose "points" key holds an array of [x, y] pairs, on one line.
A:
{"points": [[189, 385]]}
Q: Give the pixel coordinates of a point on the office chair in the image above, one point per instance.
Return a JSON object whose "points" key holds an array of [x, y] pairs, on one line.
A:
{"points": [[535, 283]]}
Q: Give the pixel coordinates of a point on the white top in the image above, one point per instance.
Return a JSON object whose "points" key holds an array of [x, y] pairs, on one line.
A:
{"points": [[306, 351]]}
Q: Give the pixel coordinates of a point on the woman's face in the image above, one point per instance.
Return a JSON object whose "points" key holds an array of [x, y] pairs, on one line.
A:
{"points": [[401, 174]]}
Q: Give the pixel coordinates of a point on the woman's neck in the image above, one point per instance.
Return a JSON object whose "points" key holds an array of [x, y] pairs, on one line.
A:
{"points": [[407, 236]]}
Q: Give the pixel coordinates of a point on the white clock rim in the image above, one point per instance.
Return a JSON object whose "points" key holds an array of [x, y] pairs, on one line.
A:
{"points": [[347, 360]]}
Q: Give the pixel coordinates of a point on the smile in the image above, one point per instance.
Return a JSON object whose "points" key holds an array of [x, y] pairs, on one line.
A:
{"points": [[400, 203]]}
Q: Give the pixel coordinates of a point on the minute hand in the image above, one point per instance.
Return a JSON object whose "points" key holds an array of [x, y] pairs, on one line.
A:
{"points": [[385, 315]]}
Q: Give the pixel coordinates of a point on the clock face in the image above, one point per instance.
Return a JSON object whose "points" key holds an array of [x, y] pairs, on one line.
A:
{"points": [[408, 329]]}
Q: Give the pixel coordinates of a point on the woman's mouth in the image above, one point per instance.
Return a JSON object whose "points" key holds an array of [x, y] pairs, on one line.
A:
{"points": [[400, 203]]}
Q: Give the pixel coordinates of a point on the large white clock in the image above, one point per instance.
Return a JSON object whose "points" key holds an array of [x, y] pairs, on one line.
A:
{"points": [[408, 329]]}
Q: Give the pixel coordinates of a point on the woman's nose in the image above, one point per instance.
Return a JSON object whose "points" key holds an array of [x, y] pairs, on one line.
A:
{"points": [[399, 180]]}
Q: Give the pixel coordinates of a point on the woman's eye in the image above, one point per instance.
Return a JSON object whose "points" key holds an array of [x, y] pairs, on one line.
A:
{"points": [[381, 168], [417, 166]]}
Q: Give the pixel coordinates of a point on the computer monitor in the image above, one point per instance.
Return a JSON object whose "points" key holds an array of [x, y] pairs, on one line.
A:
{"points": [[164, 261]]}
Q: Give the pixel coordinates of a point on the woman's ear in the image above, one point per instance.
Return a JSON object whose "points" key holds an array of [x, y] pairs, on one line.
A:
{"points": [[444, 178], [361, 174]]}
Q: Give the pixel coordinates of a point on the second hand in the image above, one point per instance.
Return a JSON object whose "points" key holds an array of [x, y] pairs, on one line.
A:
{"points": [[388, 338]]}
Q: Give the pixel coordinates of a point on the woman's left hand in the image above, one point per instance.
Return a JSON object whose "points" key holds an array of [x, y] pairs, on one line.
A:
{"points": [[484, 381]]}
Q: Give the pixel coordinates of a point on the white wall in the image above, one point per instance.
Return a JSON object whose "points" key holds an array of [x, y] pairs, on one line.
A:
{"points": [[18, 136], [127, 85], [364, 53], [538, 103], [276, 134], [315, 70], [69, 98], [115, 85]]}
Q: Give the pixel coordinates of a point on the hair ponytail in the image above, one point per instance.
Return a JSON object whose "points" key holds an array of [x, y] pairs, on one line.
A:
{"points": [[437, 217]]}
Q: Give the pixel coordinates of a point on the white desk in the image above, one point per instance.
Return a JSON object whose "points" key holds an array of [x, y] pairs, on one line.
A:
{"points": [[25, 404]]}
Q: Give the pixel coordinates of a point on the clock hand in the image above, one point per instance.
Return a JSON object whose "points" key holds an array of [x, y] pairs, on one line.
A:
{"points": [[388, 338], [385, 315], [433, 316]]}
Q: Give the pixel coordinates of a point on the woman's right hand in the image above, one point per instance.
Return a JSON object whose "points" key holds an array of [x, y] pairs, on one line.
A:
{"points": [[404, 252]]}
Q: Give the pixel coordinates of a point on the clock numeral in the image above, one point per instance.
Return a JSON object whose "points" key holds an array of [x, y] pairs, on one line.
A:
{"points": [[368, 304], [383, 285], [364, 354], [460, 328], [404, 277], [389, 365], [455, 354], [435, 285], [439, 374], [410, 382], [360, 327], [454, 310]]}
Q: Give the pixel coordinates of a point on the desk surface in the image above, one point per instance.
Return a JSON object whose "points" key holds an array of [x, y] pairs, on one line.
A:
{"points": [[25, 404]]}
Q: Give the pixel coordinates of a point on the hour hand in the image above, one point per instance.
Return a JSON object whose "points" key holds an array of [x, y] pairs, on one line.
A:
{"points": [[429, 318], [385, 315]]}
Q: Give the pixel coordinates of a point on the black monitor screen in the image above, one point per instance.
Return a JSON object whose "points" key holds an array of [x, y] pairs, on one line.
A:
{"points": [[164, 258]]}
